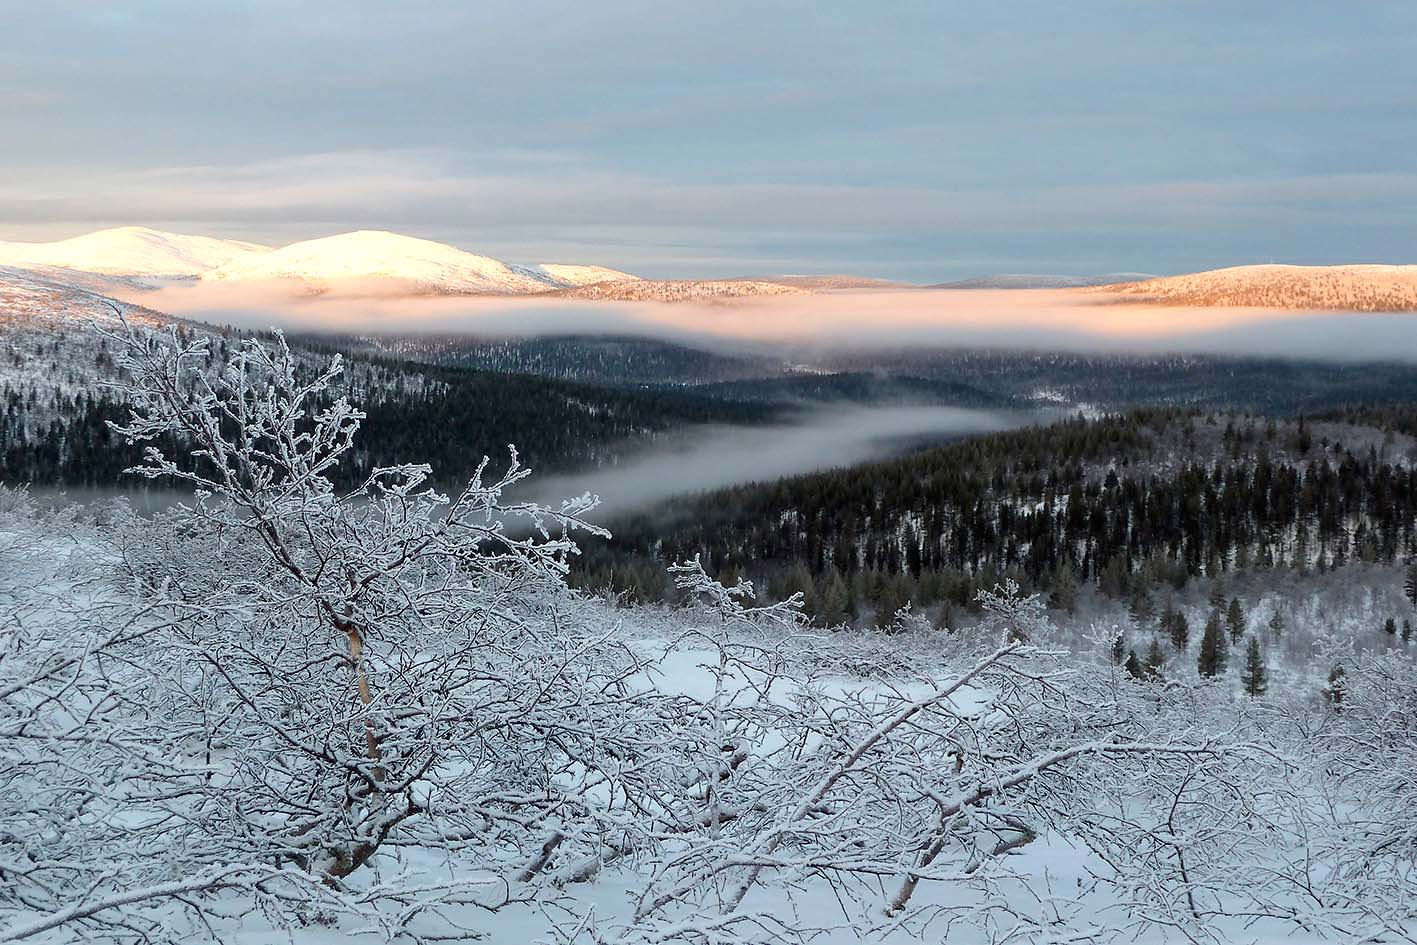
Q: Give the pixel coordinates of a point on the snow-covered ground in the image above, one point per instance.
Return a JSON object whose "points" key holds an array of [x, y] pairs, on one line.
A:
{"points": [[798, 704]]}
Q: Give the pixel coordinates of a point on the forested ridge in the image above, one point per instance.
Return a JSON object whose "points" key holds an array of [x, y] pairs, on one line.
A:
{"points": [[1121, 380], [447, 416], [621, 360], [1151, 495]]}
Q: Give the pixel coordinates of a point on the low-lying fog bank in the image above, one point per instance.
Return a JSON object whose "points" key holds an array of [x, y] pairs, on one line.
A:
{"points": [[1033, 319], [706, 458]]}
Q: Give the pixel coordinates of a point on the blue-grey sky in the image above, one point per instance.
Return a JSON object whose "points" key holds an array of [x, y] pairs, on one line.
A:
{"points": [[917, 140]]}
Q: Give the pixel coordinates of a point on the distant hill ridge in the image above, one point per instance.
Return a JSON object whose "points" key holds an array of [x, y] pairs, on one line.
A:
{"points": [[1040, 281], [1363, 288], [365, 257], [376, 262]]}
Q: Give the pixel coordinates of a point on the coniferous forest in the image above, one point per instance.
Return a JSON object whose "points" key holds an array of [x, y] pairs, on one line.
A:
{"points": [[1148, 496]]}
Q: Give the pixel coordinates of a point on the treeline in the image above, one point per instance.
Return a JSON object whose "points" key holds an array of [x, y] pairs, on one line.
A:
{"points": [[1115, 502], [620, 360]]}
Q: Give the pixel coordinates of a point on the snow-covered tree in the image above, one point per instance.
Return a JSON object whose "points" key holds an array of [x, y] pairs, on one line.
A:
{"points": [[324, 677]]}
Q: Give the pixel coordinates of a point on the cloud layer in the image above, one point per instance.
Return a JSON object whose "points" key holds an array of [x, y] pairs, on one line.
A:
{"points": [[918, 140], [1019, 319]]}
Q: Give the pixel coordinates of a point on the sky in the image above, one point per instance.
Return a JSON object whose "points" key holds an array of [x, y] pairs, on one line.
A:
{"points": [[922, 141]]}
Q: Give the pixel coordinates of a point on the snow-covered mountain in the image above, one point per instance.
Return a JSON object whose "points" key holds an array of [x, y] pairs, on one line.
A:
{"points": [[375, 259], [134, 251], [366, 260]]}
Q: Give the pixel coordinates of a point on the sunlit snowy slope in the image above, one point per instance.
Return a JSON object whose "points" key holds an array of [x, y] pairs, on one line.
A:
{"points": [[131, 251]]}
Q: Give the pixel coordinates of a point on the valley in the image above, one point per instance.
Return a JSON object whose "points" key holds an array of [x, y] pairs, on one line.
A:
{"points": [[718, 545]]}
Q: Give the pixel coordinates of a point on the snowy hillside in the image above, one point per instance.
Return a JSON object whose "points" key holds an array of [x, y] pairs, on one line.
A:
{"points": [[31, 300], [131, 251], [51, 357], [1345, 288], [572, 275]]}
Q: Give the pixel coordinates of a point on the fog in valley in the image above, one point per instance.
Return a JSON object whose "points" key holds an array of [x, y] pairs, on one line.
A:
{"points": [[693, 459], [705, 458], [1031, 319]]}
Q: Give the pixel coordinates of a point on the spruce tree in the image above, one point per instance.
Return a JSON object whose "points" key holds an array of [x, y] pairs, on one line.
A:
{"points": [[1410, 585], [1276, 624], [1180, 631], [1211, 660], [1064, 594], [1254, 678], [1142, 607], [1390, 627], [1235, 621], [829, 600], [1113, 578], [1217, 596], [1406, 630]]}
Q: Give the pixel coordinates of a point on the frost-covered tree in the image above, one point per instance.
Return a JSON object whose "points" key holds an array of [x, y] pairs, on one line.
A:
{"points": [[95, 774], [371, 652], [1336, 690], [1362, 872], [325, 677], [883, 793]]}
